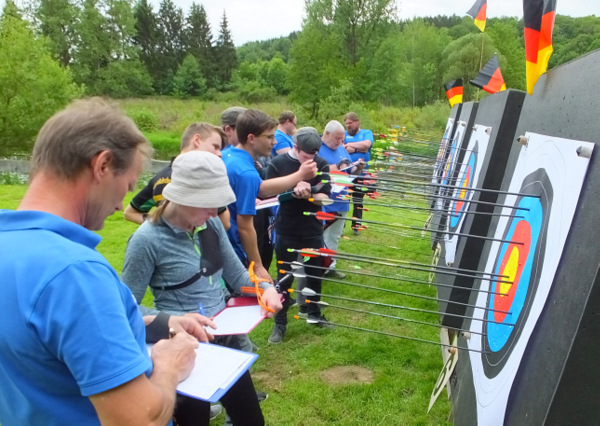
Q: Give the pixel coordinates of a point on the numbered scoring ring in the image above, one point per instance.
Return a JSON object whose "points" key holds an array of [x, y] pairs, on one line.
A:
{"points": [[521, 259]]}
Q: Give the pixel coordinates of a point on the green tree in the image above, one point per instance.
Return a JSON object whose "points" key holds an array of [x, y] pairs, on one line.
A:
{"points": [[120, 27], [123, 79], [416, 54], [57, 21], [507, 35], [360, 25], [199, 41], [189, 80], [33, 86], [146, 38], [317, 66], [171, 44], [92, 51], [226, 58], [573, 37], [277, 76]]}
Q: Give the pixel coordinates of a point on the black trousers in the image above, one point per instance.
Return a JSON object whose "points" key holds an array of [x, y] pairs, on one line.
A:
{"points": [[240, 401], [282, 243], [357, 207]]}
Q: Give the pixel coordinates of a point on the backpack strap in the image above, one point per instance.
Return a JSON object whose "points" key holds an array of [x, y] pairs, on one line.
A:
{"points": [[210, 262]]}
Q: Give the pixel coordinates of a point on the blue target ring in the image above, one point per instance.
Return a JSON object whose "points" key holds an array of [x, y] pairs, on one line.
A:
{"points": [[499, 332], [464, 194], [523, 263]]}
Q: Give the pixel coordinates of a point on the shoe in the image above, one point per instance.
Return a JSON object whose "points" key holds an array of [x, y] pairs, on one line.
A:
{"points": [[215, 410], [277, 334], [332, 273], [302, 312], [320, 321], [261, 396], [356, 231]]}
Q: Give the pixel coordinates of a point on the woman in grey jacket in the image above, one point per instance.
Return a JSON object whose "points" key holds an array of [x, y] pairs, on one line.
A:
{"points": [[182, 253]]}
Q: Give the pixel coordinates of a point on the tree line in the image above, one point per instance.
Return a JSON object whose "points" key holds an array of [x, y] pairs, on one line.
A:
{"points": [[119, 48], [347, 53]]}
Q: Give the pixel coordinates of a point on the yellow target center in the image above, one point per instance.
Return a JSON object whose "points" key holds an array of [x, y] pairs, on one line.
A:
{"points": [[511, 270]]}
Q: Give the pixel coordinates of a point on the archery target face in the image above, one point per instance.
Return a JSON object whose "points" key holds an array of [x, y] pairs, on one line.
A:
{"points": [[468, 178], [453, 153], [548, 176], [448, 165]]}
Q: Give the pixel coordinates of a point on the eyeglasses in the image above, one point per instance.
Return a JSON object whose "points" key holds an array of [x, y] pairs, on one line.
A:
{"points": [[270, 136]]}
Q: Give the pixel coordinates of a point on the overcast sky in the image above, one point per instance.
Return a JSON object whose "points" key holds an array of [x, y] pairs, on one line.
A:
{"points": [[251, 20]]}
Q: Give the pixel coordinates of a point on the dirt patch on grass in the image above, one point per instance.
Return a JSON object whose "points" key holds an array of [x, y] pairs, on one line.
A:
{"points": [[347, 374]]}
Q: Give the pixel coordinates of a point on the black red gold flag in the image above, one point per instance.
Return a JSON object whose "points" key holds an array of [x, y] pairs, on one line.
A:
{"points": [[478, 11], [538, 19], [490, 77], [454, 91]]}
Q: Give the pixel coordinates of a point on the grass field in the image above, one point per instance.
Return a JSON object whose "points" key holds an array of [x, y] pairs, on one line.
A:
{"points": [[340, 376]]}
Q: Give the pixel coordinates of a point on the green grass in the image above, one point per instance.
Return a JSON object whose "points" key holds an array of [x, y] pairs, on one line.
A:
{"points": [[403, 372]]}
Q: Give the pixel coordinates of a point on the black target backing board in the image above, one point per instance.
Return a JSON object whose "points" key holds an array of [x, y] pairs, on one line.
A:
{"points": [[500, 113], [455, 153], [558, 378]]}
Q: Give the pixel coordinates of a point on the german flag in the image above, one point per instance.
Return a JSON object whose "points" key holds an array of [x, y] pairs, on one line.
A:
{"points": [[454, 91], [478, 13], [538, 19], [490, 77]]}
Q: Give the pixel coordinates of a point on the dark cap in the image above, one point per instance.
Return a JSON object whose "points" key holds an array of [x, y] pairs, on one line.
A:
{"points": [[230, 115], [308, 140]]}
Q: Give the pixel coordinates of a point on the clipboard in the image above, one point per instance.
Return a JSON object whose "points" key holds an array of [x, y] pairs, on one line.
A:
{"points": [[217, 368], [240, 316]]}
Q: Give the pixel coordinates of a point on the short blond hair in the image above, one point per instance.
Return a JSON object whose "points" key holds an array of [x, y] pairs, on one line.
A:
{"points": [[204, 130]]}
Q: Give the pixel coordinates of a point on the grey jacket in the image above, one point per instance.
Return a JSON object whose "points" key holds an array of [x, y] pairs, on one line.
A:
{"points": [[163, 255]]}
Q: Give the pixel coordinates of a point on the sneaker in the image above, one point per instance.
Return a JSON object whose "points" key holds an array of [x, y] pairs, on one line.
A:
{"points": [[277, 334], [215, 410], [356, 231], [261, 396], [302, 312], [320, 321], [332, 273]]}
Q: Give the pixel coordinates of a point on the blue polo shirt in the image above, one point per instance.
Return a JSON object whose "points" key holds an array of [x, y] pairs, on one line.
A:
{"points": [[362, 135], [337, 191], [70, 327], [283, 141], [245, 182]]}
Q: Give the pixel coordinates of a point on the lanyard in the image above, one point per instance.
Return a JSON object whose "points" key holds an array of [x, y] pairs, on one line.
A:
{"points": [[193, 239]]}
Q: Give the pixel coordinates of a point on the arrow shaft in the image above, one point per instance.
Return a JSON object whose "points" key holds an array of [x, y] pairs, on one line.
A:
{"points": [[345, 308], [386, 290], [389, 305], [401, 278]]}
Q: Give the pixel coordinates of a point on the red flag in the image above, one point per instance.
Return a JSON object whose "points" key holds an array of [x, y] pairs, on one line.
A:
{"points": [[454, 91], [490, 77], [478, 11], [538, 19]]}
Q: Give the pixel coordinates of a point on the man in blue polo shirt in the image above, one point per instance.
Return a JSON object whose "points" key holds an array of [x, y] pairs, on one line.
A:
{"points": [[73, 343], [283, 134], [358, 143], [338, 158], [256, 134]]}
